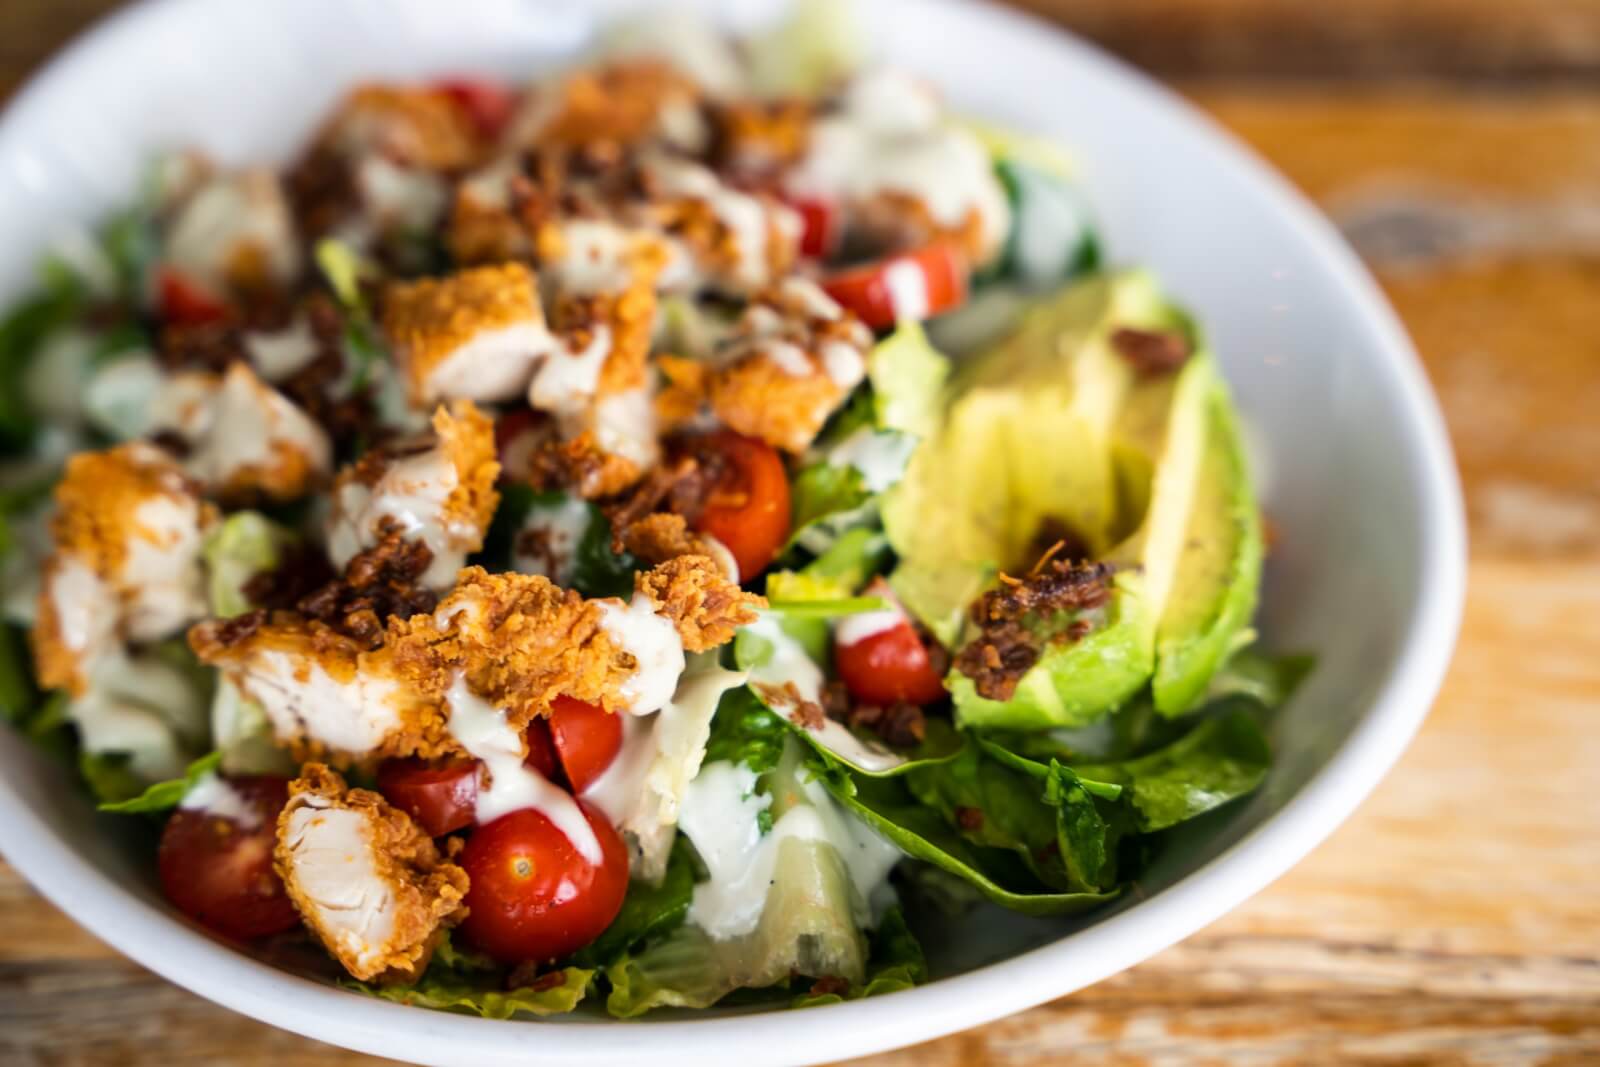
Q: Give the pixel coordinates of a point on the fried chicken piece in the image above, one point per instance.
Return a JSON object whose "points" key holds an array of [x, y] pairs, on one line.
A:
{"points": [[619, 104], [127, 532], [327, 695], [794, 357], [475, 335], [756, 137], [234, 233], [439, 487], [519, 640], [368, 882], [417, 127], [242, 439], [730, 240], [694, 593]]}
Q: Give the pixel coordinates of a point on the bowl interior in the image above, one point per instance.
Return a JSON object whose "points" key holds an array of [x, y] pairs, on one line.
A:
{"points": [[1355, 475]]}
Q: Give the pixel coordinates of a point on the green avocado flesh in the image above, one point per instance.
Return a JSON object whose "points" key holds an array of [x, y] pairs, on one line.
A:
{"points": [[1053, 428]]}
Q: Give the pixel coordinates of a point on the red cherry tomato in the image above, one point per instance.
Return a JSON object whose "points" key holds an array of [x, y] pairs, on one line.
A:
{"points": [[186, 302], [888, 666], [906, 285], [219, 872], [441, 797], [820, 230], [490, 106], [542, 750], [533, 895], [587, 738], [748, 509]]}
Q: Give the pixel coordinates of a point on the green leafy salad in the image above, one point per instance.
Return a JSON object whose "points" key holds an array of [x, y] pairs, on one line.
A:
{"points": [[683, 530]]}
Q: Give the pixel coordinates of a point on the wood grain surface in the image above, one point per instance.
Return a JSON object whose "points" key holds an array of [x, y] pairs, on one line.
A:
{"points": [[1456, 918]]}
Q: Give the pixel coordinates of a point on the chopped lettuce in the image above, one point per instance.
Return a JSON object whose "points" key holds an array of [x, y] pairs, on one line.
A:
{"points": [[164, 796], [241, 547], [815, 48], [464, 982]]}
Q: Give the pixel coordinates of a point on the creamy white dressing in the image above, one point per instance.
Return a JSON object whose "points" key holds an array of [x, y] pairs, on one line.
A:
{"points": [[854, 629], [685, 41], [561, 527], [52, 383], [331, 857], [789, 665], [565, 381], [301, 699], [721, 815], [788, 357], [888, 137], [747, 217], [281, 354], [908, 290], [843, 363], [594, 258], [642, 789], [162, 584], [110, 722], [655, 645], [493, 365], [482, 730], [880, 456], [811, 298], [214, 795]]}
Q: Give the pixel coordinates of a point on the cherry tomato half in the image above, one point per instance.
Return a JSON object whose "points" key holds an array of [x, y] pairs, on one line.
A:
{"points": [[489, 105], [820, 228], [533, 895], [219, 872], [441, 797], [587, 738], [185, 302], [542, 750], [904, 286], [888, 666], [748, 509]]}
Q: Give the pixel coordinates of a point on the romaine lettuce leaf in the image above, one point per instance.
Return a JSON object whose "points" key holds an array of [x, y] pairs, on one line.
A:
{"points": [[241, 547], [896, 963]]}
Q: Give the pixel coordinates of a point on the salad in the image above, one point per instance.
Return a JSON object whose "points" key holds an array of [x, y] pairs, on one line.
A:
{"points": [[682, 529]]}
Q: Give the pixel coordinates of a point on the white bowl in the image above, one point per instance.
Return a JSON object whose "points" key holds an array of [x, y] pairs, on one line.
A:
{"points": [[1368, 573]]}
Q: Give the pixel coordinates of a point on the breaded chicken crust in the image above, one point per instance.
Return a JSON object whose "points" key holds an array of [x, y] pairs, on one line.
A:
{"points": [[425, 892], [699, 600]]}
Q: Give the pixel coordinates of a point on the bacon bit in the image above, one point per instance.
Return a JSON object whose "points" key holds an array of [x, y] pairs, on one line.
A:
{"points": [[1152, 352], [969, 819], [228, 632], [1005, 649], [378, 584], [830, 986], [900, 725], [526, 976]]}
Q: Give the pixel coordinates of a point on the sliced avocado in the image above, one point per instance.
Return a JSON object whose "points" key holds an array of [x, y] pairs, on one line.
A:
{"points": [[1027, 436], [1158, 437], [1214, 594]]}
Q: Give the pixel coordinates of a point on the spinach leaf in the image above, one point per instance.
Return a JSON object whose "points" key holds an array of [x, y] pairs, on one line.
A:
{"points": [[745, 731], [647, 911], [164, 796], [921, 833], [1223, 758]]}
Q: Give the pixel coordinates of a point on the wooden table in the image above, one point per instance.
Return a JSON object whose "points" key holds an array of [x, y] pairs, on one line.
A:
{"points": [[1456, 918]]}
